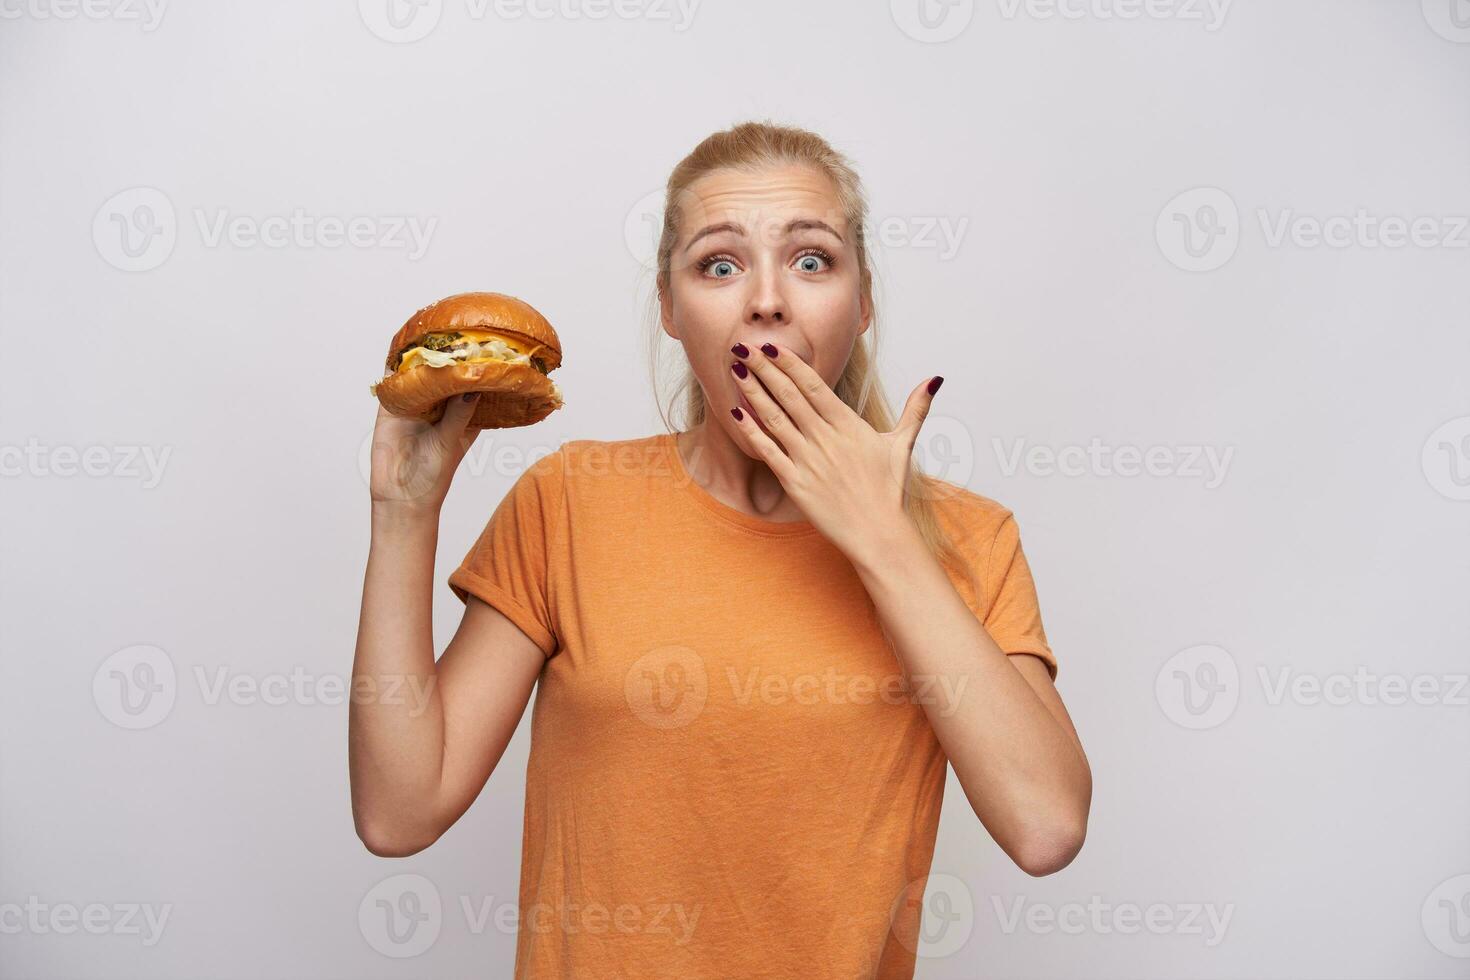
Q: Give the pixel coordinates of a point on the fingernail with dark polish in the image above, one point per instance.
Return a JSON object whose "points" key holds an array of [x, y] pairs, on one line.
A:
{"points": [[740, 369], [739, 415], [934, 385], [740, 350], [768, 349], [469, 396]]}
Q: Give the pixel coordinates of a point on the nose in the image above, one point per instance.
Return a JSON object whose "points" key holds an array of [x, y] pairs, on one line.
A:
{"points": [[767, 303]]}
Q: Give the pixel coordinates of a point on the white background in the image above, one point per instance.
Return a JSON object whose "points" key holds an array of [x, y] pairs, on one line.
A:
{"points": [[1054, 142]]}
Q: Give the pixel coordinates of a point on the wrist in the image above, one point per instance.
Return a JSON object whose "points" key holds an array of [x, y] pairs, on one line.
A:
{"points": [[392, 516], [884, 544]]}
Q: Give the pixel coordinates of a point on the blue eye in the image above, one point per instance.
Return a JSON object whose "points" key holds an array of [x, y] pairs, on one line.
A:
{"points": [[813, 260], [725, 266]]}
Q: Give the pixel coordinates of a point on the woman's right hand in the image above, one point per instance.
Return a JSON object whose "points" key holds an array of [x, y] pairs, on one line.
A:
{"points": [[413, 462]]}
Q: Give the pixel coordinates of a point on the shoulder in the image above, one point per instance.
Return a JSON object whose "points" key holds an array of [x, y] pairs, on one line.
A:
{"points": [[965, 512], [982, 530], [579, 459]]}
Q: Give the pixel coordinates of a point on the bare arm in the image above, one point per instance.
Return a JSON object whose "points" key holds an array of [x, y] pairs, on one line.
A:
{"points": [[423, 737], [998, 717]]}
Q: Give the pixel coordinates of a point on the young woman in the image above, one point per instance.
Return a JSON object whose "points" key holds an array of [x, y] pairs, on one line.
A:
{"points": [[758, 640]]}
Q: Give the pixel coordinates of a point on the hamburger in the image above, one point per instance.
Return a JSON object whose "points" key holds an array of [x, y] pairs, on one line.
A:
{"points": [[495, 344]]}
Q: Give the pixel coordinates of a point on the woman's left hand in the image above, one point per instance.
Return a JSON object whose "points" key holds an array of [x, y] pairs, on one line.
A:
{"points": [[847, 478]]}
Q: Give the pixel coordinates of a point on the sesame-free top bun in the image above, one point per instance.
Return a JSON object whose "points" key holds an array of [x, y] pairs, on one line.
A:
{"points": [[512, 394], [478, 311]]}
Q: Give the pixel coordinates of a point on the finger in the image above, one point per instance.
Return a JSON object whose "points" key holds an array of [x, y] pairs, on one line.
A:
{"points": [[777, 422], [386, 418], [915, 412], [815, 396], [916, 409], [453, 428], [781, 389], [766, 447]]}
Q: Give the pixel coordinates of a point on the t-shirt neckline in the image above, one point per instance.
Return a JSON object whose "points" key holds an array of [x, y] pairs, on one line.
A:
{"points": [[720, 509]]}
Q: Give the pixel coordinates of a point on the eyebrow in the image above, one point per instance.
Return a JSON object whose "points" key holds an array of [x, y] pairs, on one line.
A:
{"points": [[796, 224]]}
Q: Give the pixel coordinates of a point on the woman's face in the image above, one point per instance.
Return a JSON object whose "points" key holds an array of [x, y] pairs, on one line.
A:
{"points": [[764, 256]]}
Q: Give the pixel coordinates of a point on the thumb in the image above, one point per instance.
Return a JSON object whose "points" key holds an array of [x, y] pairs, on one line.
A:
{"points": [[453, 428], [916, 409]]}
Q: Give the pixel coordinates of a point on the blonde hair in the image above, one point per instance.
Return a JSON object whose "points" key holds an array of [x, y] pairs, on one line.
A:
{"points": [[751, 146]]}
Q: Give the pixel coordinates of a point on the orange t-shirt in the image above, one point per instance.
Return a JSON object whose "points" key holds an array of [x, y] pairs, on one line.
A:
{"points": [[726, 778]]}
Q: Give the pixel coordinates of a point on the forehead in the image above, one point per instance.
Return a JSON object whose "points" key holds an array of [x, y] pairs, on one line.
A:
{"points": [[772, 195]]}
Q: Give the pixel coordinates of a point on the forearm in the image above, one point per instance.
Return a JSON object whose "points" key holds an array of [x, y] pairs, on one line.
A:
{"points": [[1023, 773], [396, 721]]}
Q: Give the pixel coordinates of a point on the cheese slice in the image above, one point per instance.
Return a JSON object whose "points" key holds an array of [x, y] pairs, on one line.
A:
{"points": [[480, 336], [413, 357]]}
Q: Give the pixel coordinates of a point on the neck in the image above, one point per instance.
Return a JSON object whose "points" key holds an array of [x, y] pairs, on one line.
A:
{"points": [[723, 469]]}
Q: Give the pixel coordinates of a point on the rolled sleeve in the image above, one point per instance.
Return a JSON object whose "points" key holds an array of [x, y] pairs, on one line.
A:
{"points": [[509, 566], [1014, 615]]}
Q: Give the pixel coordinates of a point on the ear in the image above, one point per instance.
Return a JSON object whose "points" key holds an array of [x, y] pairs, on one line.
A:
{"points": [[865, 315], [666, 313]]}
